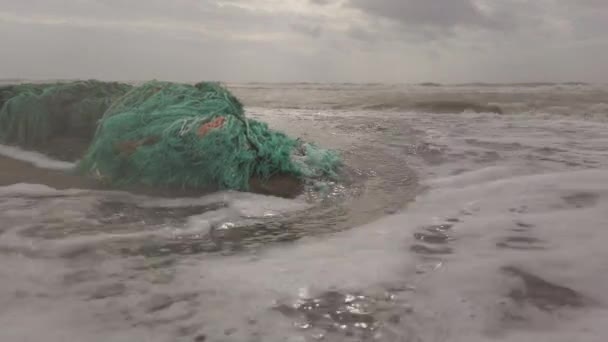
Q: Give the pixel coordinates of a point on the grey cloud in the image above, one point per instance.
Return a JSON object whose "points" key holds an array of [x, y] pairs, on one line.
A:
{"points": [[505, 15], [505, 21], [197, 19], [588, 18], [108, 8], [202, 12], [41, 52], [320, 2], [590, 3], [362, 34], [307, 29], [433, 13], [364, 40]]}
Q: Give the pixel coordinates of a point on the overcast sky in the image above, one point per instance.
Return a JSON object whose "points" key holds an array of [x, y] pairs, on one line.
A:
{"points": [[306, 40]]}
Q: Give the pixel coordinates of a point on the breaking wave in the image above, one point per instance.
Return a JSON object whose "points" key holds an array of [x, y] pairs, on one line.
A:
{"points": [[572, 99]]}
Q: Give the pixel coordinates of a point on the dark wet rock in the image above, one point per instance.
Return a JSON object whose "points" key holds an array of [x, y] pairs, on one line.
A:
{"points": [[541, 293], [453, 220], [109, 290], [157, 302]]}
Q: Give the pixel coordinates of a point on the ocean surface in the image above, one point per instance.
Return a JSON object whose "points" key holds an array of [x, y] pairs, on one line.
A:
{"points": [[466, 213]]}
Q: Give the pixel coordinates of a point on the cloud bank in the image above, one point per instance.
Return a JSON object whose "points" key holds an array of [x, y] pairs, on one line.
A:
{"points": [[306, 40]]}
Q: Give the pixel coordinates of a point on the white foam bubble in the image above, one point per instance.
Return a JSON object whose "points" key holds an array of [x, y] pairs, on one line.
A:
{"points": [[35, 158], [27, 189], [458, 297]]}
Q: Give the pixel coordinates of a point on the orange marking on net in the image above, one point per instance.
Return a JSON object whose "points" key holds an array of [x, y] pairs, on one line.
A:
{"points": [[216, 123]]}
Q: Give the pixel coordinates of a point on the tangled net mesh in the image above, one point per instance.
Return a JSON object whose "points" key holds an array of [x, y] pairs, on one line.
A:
{"points": [[159, 134], [195, 136], [33, 114]]}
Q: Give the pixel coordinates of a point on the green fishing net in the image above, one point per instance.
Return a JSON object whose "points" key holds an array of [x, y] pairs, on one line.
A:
{"points": [[33, 114], [195, 136], [159, 134]]}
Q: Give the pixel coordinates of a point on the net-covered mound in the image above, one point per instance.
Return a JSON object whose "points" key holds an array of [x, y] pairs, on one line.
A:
{"points": [[33, 114], [179, 135]]}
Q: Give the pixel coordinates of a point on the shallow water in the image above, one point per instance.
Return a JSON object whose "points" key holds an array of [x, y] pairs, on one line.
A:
{"points": [[450, 227]]}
